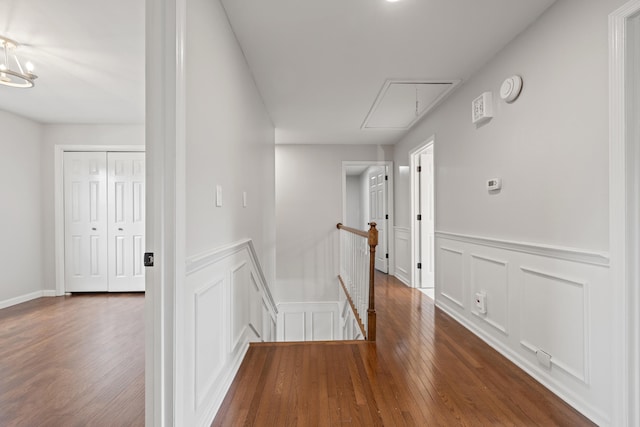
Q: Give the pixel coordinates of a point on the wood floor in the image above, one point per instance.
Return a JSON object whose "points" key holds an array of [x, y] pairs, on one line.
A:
{"points": [[73, 361], [424, 370]]}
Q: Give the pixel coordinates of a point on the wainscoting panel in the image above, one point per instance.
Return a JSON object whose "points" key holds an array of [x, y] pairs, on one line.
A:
{"points": [[490, 276], [548, 309], [308, 321], [402, 236], [451, 275], [231, 307], [554, 314]]}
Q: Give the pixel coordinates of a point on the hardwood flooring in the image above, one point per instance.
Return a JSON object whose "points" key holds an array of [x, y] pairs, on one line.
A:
{"points": [[73, 361], [424, 370]]}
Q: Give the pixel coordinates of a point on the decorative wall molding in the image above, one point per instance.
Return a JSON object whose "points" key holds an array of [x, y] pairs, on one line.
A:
{"points": [[208, 258], [554, 301], [550, 251], [308, 321], [26, 297], [402, 238], [229, 305]]}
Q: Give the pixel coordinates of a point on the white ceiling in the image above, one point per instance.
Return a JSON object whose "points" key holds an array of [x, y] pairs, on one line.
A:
{"points": [[320, 64], [88, 54]]}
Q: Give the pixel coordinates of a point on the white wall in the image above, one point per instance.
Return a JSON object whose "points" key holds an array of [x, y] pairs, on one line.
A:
{"points": [[224, 301], [21, 217], [69, 134], [550, 148], [308, 207], [354, 201], [230, 141]]}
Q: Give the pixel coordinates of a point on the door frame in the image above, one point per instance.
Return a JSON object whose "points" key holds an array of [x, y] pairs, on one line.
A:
{"points": [[58, 199], [390, 221], [624, 207], [415, 227]]}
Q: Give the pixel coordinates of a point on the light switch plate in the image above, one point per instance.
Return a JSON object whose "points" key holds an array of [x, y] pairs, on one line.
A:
{"points": [[244, 199]]}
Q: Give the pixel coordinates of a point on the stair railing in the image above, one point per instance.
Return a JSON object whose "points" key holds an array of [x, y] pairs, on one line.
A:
{"points": [[357, 263]]}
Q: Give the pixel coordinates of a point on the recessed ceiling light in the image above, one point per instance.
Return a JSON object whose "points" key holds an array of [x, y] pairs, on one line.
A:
{"points": [[393, 1]]}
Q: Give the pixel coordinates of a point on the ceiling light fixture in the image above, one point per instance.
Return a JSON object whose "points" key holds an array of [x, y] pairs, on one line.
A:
{"points": [[11, 71]]}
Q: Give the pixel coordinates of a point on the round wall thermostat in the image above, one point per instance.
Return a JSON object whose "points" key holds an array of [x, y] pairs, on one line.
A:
{"points": [[511, 88]]}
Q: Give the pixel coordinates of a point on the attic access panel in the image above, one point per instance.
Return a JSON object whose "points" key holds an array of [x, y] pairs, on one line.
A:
{"points": [[395, 105]]}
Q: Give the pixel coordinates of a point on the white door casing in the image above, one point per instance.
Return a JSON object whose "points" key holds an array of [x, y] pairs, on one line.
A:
{"points": [[427, 222], [126, 196], [378, 213], [85, 206]]}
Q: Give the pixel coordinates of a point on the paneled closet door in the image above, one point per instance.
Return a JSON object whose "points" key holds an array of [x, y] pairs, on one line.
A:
{"points": [[126, 202], [85, 206]]}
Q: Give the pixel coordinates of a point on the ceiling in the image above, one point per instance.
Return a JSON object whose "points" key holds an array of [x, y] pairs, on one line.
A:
{"points": [[88, 54], [319, 64]]}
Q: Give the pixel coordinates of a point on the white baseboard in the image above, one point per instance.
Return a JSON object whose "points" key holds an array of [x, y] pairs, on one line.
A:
{"points": [[403, 279], [27, 297]]}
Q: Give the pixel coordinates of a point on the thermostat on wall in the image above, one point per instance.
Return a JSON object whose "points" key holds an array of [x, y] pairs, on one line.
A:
{"points": [[494, 184], [482, 108]]}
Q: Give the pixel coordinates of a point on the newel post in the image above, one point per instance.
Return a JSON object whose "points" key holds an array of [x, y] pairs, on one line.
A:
{"points": [[371, 311]]}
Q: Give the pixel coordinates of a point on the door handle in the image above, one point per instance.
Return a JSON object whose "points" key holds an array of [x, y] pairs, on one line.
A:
{"points": [[93, 228], [119, 229]]}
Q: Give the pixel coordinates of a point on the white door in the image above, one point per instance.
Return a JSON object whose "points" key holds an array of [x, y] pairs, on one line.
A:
{"points": [[104, 199], [378, 213], [126, 197], [85, 212], [427, 223]]}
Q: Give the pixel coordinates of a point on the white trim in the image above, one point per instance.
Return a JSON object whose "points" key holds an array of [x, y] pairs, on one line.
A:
{"points": [[406, 279], [624, 234], [165, 224], [549, 382], [26, 297], [558, 252], [208, 258], [390, 202], [58, 194], [415, 240], [387, 84]]}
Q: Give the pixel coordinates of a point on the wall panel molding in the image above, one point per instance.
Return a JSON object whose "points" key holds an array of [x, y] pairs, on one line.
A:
{"points": [[231, 306], [402, 238], [538, 299], [309, 321], [550, 251]]}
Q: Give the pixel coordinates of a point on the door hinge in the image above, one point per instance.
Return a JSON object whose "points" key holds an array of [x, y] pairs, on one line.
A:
{"points": [[419, 265], [387, 256], [419, 169], [419, 217], [386, 177], [386, 216], [148, 259]]}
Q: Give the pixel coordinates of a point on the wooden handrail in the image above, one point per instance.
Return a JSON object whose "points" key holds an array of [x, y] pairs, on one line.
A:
{"points": [[372, 238]]}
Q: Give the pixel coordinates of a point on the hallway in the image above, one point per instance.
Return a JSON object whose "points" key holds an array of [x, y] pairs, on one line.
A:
{"points": [[425, 369]]}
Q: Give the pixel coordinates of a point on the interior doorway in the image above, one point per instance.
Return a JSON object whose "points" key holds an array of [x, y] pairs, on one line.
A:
{"points": [[367, 196], [423, 212]]}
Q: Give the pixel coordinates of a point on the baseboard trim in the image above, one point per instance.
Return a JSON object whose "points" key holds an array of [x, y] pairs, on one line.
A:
{"points": [[403, 279], [26, 297], [593, 414]]}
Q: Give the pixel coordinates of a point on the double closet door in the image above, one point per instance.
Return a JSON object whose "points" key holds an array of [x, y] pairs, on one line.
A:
{"points": [[104, 212]]}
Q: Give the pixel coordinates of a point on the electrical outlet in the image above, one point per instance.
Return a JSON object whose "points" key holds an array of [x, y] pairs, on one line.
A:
{"points": [[544, 358], [481, 302]]}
